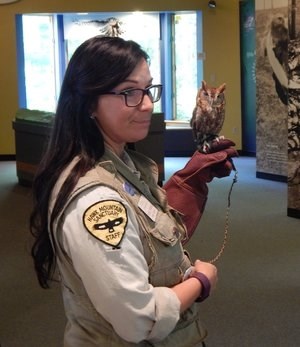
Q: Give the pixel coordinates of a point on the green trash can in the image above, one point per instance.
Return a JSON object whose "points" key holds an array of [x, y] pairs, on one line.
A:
{"points": [[32, 129]]}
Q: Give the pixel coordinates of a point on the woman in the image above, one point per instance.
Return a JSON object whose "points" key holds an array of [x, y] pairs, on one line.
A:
{"points": [[101, 217]]}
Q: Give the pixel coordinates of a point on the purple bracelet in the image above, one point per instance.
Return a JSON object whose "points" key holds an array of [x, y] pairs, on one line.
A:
{"points": [[204, 283]]}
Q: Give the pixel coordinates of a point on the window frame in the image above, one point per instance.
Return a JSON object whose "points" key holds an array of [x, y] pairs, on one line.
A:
{"points": [[167, 66]]}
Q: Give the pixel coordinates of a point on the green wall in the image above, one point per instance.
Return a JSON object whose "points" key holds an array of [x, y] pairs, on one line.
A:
{"points": [[220, 42]]}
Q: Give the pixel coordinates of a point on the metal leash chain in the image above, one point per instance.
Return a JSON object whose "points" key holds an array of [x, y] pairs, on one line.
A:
{"points": [[226, 221]]}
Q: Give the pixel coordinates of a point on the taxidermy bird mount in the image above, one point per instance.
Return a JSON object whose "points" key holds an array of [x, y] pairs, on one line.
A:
{"points": [[108, 27], [208, 115]]}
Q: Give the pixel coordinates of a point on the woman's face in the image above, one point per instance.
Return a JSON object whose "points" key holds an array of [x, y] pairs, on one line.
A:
{"points": [[119, 123]]}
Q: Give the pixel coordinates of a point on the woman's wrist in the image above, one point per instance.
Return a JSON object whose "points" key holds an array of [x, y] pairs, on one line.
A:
{"points": [[205, 285]]}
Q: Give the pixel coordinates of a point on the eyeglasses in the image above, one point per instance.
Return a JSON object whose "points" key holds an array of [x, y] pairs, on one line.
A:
{"points": [[135, 96]]}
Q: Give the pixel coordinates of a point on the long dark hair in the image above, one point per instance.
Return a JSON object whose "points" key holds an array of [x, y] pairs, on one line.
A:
{"points": [[98, 65]]}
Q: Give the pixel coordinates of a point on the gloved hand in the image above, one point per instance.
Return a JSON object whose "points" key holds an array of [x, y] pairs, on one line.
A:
{"points": [[187, 189]]}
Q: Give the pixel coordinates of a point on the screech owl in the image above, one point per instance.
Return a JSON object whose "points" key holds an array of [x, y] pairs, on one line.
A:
{"points": [[208, 115]]}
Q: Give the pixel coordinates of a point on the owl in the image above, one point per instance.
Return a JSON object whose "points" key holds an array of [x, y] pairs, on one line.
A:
{"points": [[208, 115]]}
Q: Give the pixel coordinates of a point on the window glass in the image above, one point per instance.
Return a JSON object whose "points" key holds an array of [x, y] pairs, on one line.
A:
{"points": [[185, 64], [39, 62]]}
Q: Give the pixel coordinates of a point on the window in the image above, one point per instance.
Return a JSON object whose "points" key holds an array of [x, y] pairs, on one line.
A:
{"points": [[170, 39], [185, 64], [39, 62]]}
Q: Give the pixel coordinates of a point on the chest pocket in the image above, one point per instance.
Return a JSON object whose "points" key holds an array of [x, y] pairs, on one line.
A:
{"points": [[168, 261], [165, 230]]}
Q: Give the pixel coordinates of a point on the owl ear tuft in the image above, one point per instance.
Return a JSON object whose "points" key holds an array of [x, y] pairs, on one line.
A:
{"points": [[222, 87], [204, 85]]}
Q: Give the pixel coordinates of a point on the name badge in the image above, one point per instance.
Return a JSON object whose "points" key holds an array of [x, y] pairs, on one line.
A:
{"points": [[149, 209]]}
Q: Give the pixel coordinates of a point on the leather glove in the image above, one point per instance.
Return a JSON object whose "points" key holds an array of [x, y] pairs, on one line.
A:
{"points": [[187, 189]]}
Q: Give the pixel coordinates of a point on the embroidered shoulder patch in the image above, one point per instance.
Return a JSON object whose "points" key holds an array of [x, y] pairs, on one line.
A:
{"points": [[106, 220]]}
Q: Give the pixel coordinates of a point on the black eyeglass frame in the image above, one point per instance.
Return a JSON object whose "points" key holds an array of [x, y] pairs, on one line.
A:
{"points": [[146, 91]]}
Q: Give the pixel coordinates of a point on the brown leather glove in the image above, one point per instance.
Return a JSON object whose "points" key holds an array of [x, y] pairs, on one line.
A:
{"points": [[187, 189]]}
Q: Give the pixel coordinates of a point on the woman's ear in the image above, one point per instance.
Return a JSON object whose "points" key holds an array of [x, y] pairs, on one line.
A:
{"points": [[93, 108]]}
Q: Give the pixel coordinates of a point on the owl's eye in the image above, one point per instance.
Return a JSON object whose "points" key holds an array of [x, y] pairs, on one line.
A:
{"points": [[218, 100]]}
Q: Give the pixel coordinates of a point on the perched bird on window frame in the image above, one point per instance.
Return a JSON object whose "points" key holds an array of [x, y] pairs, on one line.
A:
{"points": [[208, 115]]}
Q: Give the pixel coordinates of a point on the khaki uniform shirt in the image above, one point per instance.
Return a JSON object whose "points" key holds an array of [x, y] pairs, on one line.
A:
{"points": [[116, 266]]}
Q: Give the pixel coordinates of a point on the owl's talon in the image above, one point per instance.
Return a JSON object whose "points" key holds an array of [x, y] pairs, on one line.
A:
{"points": [[219, 138], [204, 147]]}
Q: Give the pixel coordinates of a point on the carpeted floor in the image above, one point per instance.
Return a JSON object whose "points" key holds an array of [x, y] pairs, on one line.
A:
{"points": [[256, 303]]}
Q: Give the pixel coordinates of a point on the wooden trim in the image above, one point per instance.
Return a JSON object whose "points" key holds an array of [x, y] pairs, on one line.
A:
{"points": [[26, 167], [291, 212], [7, 157], [271, 177]]}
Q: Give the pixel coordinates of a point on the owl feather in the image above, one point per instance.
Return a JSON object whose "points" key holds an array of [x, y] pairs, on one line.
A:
{"points": [[208, 115]]}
